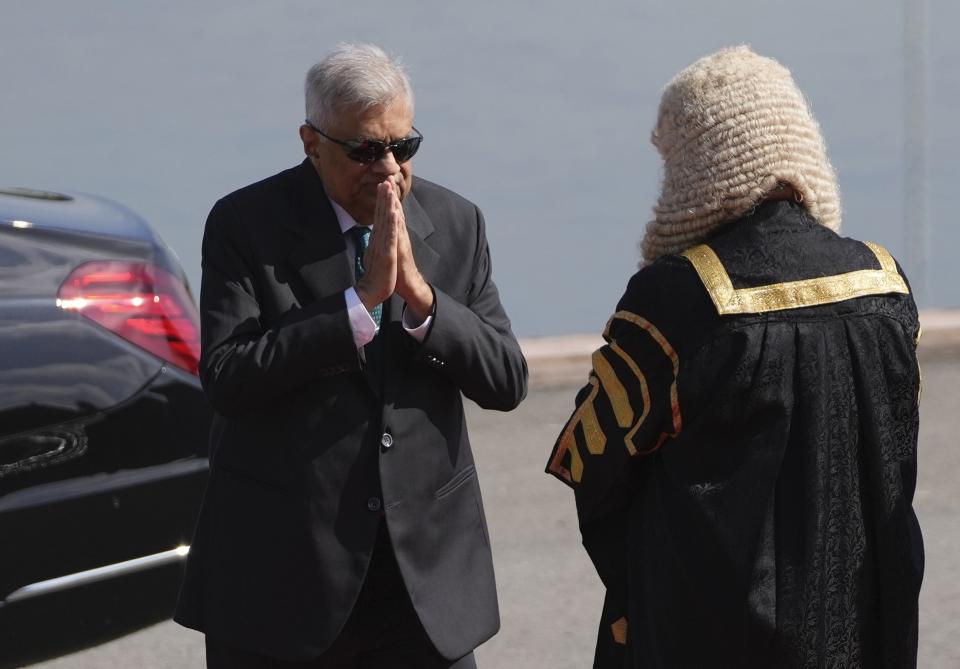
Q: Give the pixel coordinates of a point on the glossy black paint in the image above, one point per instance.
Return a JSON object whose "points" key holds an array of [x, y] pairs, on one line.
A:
{"points": [[66, 622], [102, 445]]}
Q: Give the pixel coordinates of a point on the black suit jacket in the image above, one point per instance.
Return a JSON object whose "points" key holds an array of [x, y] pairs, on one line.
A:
{"points": [[299, 462]]}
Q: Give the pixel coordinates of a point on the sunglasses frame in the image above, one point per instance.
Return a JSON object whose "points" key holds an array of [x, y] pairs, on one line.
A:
{"points": [[379, 148]]}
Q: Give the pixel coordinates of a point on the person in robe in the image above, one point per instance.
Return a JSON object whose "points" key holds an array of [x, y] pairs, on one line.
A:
{"points": [[744, 454]]}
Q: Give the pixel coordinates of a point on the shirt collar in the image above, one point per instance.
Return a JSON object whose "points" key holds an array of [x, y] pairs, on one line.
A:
{"points": [[343, 218]]}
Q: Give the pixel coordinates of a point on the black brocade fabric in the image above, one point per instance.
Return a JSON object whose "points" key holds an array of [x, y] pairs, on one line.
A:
{"points": [[776, 529]]}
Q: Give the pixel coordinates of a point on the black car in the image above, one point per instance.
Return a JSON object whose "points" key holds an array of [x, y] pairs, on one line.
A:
{"points": [[103, 425]]}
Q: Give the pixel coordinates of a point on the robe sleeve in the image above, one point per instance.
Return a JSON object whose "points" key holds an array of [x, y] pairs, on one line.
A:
{"points": [[627, 410]]}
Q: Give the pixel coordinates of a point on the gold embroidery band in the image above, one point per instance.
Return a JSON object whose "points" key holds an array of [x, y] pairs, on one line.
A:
{"points": [[793, 294], [592, 432], [644, 396], [671, 353], [613, 387]]}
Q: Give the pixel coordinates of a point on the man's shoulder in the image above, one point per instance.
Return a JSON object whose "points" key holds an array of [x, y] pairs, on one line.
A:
{"points": [[279, 184], [431, 195]]}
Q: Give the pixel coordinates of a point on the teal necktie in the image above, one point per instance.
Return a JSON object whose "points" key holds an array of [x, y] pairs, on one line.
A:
{"points": [[361, 239]]}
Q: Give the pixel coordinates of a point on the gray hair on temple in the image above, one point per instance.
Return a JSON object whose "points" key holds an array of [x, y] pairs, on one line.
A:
{"points": [[354, 75]]}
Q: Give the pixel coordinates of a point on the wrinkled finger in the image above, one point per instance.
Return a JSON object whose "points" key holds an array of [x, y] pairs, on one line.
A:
{"points": [[395, 206], [398, 211], [397, 215], [392, 216], [394, 226], [379, 238], [378, 210]]}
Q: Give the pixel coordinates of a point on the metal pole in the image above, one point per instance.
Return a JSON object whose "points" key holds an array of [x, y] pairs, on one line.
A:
{"points": [[916, 225]]}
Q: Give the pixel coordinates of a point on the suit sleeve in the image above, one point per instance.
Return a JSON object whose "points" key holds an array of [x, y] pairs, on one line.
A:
{"points": [[472, 342], [244, 364]]}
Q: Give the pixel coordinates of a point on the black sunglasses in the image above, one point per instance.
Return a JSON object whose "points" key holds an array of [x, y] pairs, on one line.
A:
{"points": [[368, 151]]}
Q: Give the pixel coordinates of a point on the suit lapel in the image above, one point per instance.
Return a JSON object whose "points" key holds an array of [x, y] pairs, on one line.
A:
{"points": [[319, 253], [420, 227]]}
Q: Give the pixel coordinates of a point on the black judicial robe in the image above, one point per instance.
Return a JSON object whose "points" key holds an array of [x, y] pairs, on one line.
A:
{"points": [[744, 455]]}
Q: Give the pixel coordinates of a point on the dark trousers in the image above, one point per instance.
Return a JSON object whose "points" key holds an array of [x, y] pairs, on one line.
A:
{"points": [[383, 631]]}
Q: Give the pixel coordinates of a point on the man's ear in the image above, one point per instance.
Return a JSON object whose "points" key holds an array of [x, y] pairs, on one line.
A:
{"points": [[311, 141]]}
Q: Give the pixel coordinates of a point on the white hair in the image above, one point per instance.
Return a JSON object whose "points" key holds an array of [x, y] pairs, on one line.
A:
{"points": [[354, 75]]}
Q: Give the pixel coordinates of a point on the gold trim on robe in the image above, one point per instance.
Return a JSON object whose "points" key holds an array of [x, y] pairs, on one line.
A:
{"points": [[587, 416], [671, 353], [793, 294]]}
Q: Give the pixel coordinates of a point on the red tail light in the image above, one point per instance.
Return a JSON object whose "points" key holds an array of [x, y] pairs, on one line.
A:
{"points": [[142, 303]]}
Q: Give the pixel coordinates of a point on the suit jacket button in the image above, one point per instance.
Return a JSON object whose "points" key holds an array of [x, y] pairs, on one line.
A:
{"points": [[386, 440], [373, 504]]}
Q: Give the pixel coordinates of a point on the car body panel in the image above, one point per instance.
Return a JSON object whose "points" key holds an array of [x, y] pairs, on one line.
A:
{"points": [[102, 444]]}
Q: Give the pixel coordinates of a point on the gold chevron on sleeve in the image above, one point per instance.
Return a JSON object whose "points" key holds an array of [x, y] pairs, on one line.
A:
{"points": [[613, 387], [671, 354], [644, 397], [793, 294], [593, 435], [586, 416], [604, 376]]}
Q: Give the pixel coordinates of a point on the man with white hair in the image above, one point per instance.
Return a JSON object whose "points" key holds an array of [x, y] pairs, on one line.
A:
{"points": [[344, 309], [744, 456]]}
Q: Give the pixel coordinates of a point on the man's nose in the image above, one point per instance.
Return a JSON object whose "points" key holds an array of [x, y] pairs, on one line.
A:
{"points": [[387, 165]]}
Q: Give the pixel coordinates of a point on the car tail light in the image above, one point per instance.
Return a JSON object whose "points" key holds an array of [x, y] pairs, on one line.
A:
{"points": [[142, 303]]}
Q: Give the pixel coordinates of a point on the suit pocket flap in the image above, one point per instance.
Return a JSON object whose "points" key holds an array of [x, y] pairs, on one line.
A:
{"points": [[457, 480]]}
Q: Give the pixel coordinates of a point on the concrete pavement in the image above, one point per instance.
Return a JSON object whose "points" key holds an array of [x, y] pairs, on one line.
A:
{"points": [[550, 597]]}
